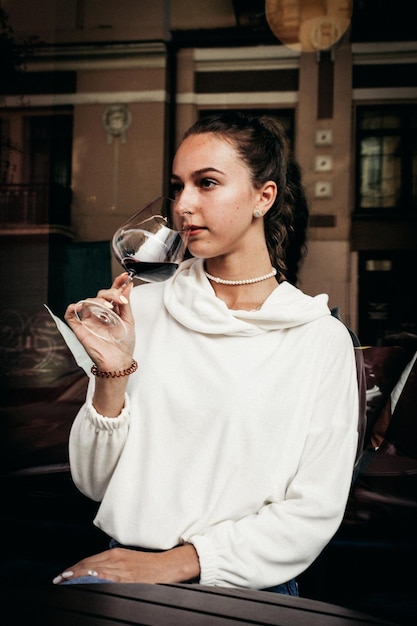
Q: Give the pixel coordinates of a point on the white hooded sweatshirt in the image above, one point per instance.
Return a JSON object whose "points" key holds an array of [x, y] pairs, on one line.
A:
{"points": [[238, 434]]}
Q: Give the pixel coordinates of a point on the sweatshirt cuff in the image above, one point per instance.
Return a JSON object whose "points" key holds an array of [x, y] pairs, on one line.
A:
{"points": [[207, 558], [108, 423]]}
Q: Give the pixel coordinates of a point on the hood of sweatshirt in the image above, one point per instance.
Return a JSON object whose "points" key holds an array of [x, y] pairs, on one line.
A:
{"points": [[190, 299]]}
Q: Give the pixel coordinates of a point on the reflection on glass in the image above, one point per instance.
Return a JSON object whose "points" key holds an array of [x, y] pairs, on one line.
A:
{"points": [[380, 172]]}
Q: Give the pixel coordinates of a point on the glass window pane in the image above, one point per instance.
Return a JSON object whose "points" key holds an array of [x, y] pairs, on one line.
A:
{"points": [[377, 120], [391, 121], [380, 172]]}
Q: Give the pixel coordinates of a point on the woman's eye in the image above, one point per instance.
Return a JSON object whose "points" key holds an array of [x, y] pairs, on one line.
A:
{"points": [[207, 183]]}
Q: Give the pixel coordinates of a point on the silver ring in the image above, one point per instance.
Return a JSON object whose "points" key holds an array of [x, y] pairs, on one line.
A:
{"points": [[92, 572]]}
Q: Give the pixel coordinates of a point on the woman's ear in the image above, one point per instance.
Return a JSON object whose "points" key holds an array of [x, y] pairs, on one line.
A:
{"points": [[266, 197]]}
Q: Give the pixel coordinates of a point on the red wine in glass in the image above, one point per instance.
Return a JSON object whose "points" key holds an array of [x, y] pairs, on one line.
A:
{"points": [[150, 271]]}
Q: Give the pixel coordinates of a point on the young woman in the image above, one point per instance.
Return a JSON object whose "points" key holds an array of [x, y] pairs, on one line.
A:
{"points": [[226, 457]]}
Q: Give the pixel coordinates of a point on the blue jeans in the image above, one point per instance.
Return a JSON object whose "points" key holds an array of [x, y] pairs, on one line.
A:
{"points": [[290, 588]]}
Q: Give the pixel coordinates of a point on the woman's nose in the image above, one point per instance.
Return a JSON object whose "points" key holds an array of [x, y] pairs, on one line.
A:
{"points": [[187, 198], [181, 214], [182, 207], [185, 210]]}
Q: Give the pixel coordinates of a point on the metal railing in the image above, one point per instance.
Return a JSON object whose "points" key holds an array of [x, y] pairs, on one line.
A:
{"points": [[33, 205]]}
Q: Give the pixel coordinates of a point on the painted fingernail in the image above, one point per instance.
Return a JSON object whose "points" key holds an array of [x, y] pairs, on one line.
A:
{"points": [[109, 305], [58, 579], [124, 299]]}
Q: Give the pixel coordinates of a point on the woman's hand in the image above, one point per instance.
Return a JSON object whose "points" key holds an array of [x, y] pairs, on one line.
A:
{"points": [[123, 565], [108, 356]]}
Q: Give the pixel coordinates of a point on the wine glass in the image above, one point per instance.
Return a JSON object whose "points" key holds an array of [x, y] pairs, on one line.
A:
{"points": [[149, 248]]}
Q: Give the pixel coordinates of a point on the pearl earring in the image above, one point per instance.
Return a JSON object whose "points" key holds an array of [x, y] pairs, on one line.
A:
{"points": [[257, 213]]}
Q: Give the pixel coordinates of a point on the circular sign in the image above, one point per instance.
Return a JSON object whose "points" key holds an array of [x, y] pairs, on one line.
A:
{"points": [[308, 25]]}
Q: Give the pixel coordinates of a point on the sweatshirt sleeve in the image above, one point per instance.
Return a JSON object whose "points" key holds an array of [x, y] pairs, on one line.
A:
{"points": [[95, 446], [284, 537]]}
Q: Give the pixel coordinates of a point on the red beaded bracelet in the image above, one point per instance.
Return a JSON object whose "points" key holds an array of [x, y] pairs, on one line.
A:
{"points": [[96, 372]]}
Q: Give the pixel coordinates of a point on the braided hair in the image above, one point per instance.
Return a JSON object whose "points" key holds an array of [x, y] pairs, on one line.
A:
{"points": [[263, 145]]}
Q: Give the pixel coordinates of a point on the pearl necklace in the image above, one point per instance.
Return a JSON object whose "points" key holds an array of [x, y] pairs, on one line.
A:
{"points": [[248, 281]]}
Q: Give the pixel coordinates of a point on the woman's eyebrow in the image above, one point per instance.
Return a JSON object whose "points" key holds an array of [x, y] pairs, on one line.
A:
{"points": [[197, 173]]}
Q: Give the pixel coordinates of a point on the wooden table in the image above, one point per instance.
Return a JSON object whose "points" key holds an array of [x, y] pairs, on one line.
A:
{"points": [[169, 605]]}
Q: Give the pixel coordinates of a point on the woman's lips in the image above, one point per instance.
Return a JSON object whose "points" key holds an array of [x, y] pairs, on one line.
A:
{"points": [[194, 230]]}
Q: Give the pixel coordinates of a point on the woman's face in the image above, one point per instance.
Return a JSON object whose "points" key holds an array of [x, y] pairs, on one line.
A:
{"points": [[214, 195]]}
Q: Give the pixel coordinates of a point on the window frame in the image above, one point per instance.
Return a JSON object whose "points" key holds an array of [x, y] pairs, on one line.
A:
{"points": [[406, 131]]}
